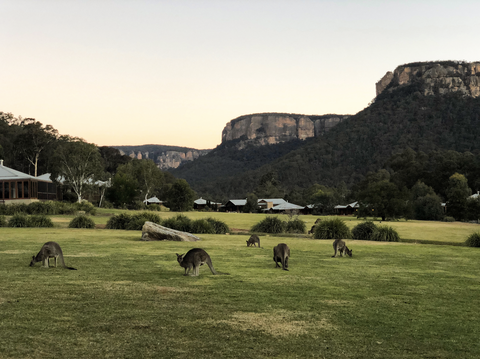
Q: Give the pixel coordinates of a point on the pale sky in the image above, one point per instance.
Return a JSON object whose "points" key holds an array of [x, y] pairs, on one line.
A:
{"points": [[132, 72]]}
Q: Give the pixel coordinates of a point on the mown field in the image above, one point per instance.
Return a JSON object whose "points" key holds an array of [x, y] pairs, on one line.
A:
{"points": [[129, 299]]}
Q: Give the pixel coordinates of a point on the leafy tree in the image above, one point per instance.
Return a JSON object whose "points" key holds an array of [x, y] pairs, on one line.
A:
{"points": [[473, 209], [147, 176], [269, 186], [180, 197], [34, 139], [78, 162], [123, 190], [252, 204], [457, 194], [112, 159]]}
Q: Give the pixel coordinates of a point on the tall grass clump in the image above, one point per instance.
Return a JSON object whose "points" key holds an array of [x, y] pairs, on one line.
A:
{"points": [[81, 221], [385, 234], [295, 225], [202, 226], [18, 220], [220, 227], [39, 220], [180, 223], [473, 240], [132, 222], [364, 230], [333, 228], [269, 225], [3, 221]]}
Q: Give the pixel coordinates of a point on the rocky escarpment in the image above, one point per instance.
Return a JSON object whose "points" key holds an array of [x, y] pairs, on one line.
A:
{"points": [[272, 128], [173, 159], [437, 78]]}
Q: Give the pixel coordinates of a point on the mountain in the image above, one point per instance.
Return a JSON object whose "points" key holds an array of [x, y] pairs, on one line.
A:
{"points": [[423, 106], [165, 157]]}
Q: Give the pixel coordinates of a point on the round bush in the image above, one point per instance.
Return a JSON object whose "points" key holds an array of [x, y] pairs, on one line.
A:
{"points": [[87, 207], [333, 228], [219, 226], [180, 223], [202, 226], [364, 230], [3, 221], [448, 219], [81, 221], [18, 220], [40, 220], [473, 240], [269, 225], [119, 221], [385, 234], [295, 226]]}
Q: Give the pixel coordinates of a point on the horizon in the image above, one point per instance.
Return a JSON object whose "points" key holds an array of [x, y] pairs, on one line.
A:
{"points": [[175, 73]]}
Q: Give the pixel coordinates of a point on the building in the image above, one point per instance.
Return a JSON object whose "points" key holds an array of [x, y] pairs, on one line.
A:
{"points": [[18, 187]]}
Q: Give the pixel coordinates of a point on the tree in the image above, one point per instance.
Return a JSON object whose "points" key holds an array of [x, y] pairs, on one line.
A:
{"points": [[473, 209], [457, 194], [147, 176], [252, 204], [180, 197], [34, 139], [123, 190], [78, 162]]}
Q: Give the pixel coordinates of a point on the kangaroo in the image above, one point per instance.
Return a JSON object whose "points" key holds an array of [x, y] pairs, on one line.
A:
{"points": [[49, 250], [281, 253], [194, 259], [253, 240], [340, 246]]}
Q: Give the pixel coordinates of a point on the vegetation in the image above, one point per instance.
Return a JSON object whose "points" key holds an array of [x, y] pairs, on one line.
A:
{"points": [[385, 233], [81, 221], [333, 228], [18, 220], [132, 221], [269, 225], [3, 221], [364, 230], [473, 240], [388, 304], [39, 220]]}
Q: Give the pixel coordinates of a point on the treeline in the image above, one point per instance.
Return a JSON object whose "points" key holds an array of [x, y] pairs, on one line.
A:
{"points": [[84, 170]]}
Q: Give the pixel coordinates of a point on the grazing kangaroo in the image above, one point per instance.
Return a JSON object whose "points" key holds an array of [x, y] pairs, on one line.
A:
{"points": [[194, 259], [281, 253], [49, 250], [253, 240], [340, 246]]}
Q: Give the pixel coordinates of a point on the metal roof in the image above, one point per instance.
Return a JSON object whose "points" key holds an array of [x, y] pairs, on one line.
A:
{"points": [[9, 174]]}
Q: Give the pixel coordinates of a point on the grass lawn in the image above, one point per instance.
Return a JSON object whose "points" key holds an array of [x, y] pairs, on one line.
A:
{"points": [[129, 299]]}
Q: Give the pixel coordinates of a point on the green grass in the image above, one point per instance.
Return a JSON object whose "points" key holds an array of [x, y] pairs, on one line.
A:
{"points": [[129, 299]]}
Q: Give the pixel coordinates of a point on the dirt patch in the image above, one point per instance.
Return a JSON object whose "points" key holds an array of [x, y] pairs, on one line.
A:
{"points": [[280, 324]]}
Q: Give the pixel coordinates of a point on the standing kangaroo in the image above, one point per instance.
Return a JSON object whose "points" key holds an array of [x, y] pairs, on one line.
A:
{"points": [[281, 253], [340, 246], [49, 250], [194, 259], [253, 240]]}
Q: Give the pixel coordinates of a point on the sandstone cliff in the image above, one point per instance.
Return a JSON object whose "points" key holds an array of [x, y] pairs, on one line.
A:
{"points": [[173, 159], [436, 77], [272, 128]]}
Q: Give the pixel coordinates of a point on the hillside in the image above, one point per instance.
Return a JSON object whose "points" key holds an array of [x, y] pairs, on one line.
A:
{"points": [[424, 106]]}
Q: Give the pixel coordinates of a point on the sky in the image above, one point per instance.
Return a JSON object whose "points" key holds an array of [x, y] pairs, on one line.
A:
{"points": [[133, 72]]}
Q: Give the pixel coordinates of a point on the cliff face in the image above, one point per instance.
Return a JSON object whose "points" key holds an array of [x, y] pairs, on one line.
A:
{"points": [[263, 129], [437, 78], [173, 159]]}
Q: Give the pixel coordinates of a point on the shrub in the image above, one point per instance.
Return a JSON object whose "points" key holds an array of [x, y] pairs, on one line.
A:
{"points": [[154, 207], [364, 230], [40, 220], [448, 219], [219, 226], [137, 221], [269, 225], [14, 208], [295, 225], [81, 221], [47, 207], [180, 223], [3, 221], [87, 207], [473, 240], [385, 234], [118, 221], [333, 228], [18, 220], [202, 226]]}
